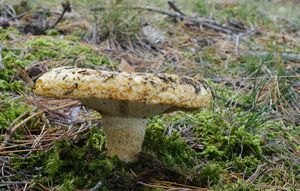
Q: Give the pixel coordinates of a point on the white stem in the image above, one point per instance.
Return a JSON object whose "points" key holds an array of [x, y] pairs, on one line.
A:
{"points": [[124, 136]]}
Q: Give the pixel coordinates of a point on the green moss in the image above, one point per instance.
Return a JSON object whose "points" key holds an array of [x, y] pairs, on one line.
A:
{"points": [[46, 48], [232, 144], [71, 164], [52, 32], [202, 7], [10, 109], [13, 86], [240, 185], [247, 165], [83, 163], [223, 139], [51, 48], [171, 149], [210, 174], [8, 33]]}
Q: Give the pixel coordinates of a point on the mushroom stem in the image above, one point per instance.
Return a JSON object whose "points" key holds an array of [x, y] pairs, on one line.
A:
{"points": [[124, 136]]}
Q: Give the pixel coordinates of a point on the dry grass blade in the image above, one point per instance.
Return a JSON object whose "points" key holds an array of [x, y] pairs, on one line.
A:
{"points": [[181, 185], [19, 151], [45, 137], [13, 129], [153, 185], [256, 174], [172, 186]]}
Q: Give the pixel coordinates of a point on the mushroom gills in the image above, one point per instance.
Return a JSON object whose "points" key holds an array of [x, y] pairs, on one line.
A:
{"points": [[122, 108]]}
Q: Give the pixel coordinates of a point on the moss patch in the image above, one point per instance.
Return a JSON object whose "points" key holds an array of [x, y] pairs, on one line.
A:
{"points": [[10, 109]]}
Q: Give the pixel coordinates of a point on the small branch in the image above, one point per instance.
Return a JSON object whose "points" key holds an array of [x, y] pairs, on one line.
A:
{"points": [[212, 25], [66, 8], [151, 9], [175, 8], [196, 21], [192, 21], [291, 57]]}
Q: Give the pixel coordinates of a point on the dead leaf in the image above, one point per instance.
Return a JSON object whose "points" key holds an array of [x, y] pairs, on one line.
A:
{"points": [[125, 67], [23, 75], [35, 70]]}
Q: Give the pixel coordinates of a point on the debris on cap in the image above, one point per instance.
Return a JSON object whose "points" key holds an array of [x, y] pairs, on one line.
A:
{"points": [[69, 82]]}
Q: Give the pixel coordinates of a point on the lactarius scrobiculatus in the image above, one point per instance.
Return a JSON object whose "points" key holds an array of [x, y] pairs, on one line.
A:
{"points": [[125, 100]]}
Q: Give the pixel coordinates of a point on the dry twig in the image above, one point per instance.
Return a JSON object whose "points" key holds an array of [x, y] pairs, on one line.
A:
{"points": [[175, 8], [192, 21]]}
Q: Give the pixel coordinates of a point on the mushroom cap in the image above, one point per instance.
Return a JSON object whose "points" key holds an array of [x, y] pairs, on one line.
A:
{"points": [[140, 88]]}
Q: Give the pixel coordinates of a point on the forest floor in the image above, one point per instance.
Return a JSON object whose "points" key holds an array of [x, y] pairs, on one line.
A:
{"points": [[247, 51]]}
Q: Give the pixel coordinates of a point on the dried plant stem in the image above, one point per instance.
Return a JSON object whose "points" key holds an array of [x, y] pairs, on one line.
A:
{"points": [[197, 21], [175, 8], [18, 151], [11, 130]]}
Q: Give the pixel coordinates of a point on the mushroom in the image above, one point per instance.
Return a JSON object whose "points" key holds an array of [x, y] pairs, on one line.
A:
{"points": [[125, 100]]}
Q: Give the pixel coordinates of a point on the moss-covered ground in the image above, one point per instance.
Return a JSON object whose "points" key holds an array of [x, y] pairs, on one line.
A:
{"points": [[247, 140]]}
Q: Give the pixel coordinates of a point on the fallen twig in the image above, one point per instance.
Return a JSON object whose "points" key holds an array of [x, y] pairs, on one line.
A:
{"points": [[196, 21], [175, 8], [66, 8], [193, 21]]}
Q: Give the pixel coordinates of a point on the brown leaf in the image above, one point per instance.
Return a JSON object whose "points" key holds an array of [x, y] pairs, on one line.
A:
{"points": [[35, 70], [23, 75], [125, 67]]}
